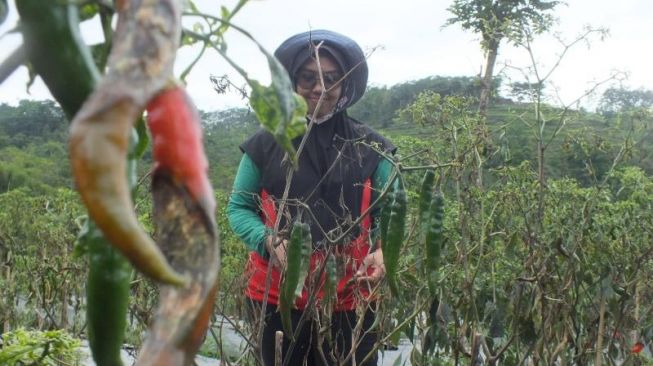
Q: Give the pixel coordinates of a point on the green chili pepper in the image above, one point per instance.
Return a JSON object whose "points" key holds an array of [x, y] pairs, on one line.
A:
{"points": [[107, 296], [57, 51], [395, 237], [433, 242], [307, 247], [385, 216], [425, 196], [292, 275], [331, 279]]}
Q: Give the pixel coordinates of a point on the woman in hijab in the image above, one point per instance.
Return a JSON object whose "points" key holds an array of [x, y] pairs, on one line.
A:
{"points": [[341, 172]]}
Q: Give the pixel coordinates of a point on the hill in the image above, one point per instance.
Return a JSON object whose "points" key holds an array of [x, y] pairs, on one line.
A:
{"points": [[33, 135]]}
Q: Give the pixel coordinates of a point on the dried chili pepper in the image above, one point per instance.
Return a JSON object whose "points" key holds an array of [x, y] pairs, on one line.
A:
{"points": [[395, 236], [177, 144], [433, 240]]}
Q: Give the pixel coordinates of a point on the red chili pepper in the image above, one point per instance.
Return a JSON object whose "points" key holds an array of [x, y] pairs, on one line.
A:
{"points": [[637, 347], [177, 143]]}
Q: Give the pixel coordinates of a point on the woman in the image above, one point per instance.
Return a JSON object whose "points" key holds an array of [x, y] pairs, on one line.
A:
{"points": [[341, 171]]}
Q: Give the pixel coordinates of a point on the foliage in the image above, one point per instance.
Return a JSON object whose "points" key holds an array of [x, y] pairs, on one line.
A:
{"points": [[32, 149], [33, 121], [616, 100], [545, 272], [39, 272], [378, 105], [224, 131], [525, 91], [48, 348], [495, 20]]}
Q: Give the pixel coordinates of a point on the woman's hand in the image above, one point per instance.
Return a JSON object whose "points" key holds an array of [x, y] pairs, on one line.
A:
{"points": [[276, 247], [375, 260]]}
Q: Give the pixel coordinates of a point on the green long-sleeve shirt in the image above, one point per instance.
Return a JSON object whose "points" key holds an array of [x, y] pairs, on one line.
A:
{"points": [[242, 210]]}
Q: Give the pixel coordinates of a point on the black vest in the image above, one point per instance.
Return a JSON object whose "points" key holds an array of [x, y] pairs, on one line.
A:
{"points": [[326, 190]]}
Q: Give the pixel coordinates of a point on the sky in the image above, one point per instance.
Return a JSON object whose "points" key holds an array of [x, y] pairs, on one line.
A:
{"points": [[409, 43]]}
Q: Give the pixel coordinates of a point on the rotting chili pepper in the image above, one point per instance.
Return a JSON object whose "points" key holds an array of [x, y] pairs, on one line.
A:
{"points": [[177, 144], [98, 150], [182, 317], [395, 237], [433, 241], [140, 65]]}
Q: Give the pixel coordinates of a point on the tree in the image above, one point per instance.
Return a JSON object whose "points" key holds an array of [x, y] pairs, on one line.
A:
{"points": [[496, 20], [525, 91], [616, 100], [33, 118]]}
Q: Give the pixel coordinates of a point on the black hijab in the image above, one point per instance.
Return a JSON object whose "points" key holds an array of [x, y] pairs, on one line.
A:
{"points": [[296, 50], [338, 156]]}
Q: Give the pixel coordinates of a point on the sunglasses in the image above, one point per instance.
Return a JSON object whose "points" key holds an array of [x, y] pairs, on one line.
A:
{"points": [[307, 79]]}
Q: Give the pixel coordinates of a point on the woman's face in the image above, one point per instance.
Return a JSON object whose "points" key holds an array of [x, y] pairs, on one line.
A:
{"points": [[308, 85]]}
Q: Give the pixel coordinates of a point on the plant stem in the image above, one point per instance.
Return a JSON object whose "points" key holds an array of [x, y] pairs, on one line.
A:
{"points": [[599, 341]]}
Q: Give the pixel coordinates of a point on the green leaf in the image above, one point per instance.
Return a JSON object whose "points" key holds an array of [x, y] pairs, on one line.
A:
{"points": [[277, 107], [225, 13], [191, 5], [23, 347], [279, 110]]}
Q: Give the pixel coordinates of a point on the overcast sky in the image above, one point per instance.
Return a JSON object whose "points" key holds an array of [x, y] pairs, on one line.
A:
{"points": [[411, 44]]}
